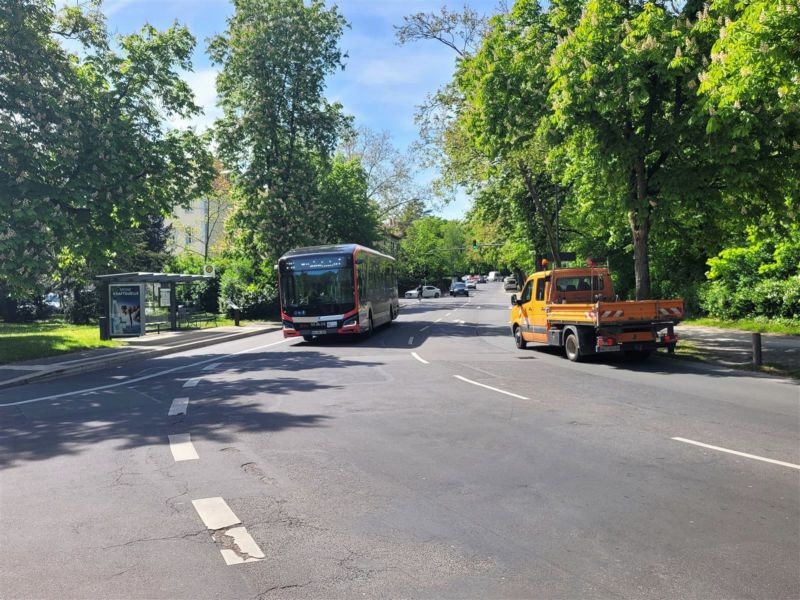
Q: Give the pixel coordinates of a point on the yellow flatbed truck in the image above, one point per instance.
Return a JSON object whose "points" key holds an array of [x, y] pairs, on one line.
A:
{"points": [[576, 309]]}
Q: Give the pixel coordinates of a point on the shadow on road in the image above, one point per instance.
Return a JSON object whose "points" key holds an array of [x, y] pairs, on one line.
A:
{"points": [[136, 415]]}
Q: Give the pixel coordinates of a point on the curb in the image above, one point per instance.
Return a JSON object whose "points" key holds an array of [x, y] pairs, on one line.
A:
{"points": [[124, 355]]}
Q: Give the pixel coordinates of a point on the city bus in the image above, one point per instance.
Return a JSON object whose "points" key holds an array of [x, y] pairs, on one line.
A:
{"points": [[343, 289]]}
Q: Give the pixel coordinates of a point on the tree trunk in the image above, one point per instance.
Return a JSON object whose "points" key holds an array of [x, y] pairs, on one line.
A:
{"points": [[533, 192], [639, 219]]}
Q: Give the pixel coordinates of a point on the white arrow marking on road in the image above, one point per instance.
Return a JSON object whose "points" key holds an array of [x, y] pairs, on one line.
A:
{"points": [[192, 382], [419, 358], [182, 447], [179, 407], [488, 387], [138, 379], [737, 453]]}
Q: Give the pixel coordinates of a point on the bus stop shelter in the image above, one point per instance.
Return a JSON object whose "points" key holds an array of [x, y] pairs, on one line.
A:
{"points": [[123, 301]]}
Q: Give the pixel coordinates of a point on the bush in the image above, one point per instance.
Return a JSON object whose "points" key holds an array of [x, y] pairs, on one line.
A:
{"points": [[83, 307], [767, 299]]}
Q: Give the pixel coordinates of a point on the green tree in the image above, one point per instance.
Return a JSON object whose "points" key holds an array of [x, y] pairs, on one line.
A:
{"points": [[624, 96], [351, 217], [85, 155], [278, 131]]}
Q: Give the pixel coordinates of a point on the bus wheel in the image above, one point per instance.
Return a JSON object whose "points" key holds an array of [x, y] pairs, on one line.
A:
{"points": [[371, 327], [518, 339], [571, 347], [308, 338]]}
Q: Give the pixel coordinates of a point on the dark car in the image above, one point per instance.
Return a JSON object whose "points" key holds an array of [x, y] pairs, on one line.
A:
{"points": [[459, 289]]}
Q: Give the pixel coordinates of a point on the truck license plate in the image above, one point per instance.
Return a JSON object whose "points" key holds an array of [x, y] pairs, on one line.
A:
{"points": [[318, 332]]}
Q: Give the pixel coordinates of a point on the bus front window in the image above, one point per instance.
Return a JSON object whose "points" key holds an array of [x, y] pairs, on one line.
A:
{"points": [[318, 285]]}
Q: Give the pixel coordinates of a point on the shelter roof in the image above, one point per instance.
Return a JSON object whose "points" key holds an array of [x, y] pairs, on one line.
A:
{"points": [[149, 278]]}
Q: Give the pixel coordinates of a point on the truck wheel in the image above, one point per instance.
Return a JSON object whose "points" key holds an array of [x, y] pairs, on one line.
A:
{"points": [[572, 348], [519, 341]]}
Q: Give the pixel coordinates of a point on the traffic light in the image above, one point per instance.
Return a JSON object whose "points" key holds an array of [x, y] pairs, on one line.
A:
{"points": [[474, 245]]}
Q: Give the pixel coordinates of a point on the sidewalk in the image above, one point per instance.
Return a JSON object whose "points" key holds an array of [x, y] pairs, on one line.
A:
{"points": [[733, 348], [148, 346]]}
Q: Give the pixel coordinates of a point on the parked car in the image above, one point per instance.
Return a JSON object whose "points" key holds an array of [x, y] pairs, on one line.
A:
{"points": [[459, 289], [510, 283], [471, 284], [481, 278], [428, 291]]}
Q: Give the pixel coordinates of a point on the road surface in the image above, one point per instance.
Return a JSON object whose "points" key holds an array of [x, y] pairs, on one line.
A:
{"points": [[431, 460]]}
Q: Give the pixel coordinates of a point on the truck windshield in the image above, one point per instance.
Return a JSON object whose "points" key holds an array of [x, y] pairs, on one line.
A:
{"points": [[319, 284]]}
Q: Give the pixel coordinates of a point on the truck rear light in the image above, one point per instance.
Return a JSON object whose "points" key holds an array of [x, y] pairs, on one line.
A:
{"points": [[668, 339], [606, 341]]}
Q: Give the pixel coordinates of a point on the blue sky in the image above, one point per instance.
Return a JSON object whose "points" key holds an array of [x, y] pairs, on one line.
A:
{"points": [[381, 85]]}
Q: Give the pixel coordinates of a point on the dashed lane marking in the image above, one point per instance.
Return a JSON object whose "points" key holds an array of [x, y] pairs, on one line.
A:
{"points": [[411, 340], [419, 358], [179, 406], [192, 382], [248, 550], [211, 367], [137, 379], [215, 513], [488, 387], [182, 448], [737, 453], [424, 328], [238, 546]]}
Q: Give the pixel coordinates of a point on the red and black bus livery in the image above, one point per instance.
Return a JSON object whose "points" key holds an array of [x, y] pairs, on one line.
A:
{"points": [[341, 289]]}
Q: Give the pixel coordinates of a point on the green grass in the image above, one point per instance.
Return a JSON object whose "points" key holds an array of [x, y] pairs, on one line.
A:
{"points": [[784, 326], [25, 341]]}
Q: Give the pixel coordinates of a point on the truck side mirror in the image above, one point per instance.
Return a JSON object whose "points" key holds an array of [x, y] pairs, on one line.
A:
{"points": [[513, 299]]}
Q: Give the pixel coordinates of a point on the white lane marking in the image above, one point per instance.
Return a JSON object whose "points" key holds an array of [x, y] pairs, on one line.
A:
{"points": [[737, 453], [219, 518], [246, 544], [211, 367], [411, 340], [424, 328], [138, 379], [461, 322], [437, 320], [182, 447], [419, 358], [215, 513], [192, 382], [488, 387], [179, 407]]}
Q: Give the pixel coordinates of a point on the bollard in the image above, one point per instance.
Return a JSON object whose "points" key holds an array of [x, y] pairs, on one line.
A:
{"points": [[236, 316], [757, 349]]}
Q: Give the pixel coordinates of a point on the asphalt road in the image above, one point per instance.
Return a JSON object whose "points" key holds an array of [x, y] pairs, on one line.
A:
{"points": [[431, 460]]}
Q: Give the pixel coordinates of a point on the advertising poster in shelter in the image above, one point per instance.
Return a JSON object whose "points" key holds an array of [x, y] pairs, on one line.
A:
{"points": [[126, 303]]}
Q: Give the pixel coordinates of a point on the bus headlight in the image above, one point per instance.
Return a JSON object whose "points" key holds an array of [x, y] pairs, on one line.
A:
{"points": [[351, 321]]}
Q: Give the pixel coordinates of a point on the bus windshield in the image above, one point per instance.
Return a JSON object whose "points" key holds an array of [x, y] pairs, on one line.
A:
{"points": [[320, 284]]}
